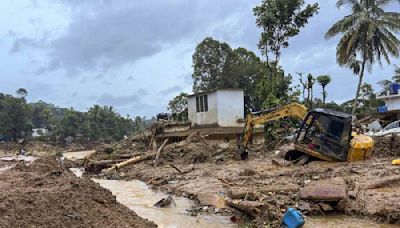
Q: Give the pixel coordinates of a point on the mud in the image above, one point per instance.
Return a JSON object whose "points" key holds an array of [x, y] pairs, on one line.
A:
{"points": [[46, 194], [38, 148], [277, 187], [140, 198]]}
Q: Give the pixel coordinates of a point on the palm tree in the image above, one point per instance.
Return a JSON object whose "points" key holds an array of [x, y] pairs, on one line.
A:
{"points": [[396, 76], [368, 36], [323, 80]]}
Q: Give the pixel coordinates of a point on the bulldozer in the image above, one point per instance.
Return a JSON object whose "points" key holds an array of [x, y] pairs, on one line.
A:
{"points": [[323, 134]]}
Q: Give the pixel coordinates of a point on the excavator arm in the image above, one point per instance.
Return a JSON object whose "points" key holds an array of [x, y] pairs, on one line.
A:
{"points": [[291, 110]]}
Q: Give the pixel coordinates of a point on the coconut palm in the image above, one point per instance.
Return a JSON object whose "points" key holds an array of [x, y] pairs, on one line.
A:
{"points": [[323, 80], [368, 36], [396, 76]]}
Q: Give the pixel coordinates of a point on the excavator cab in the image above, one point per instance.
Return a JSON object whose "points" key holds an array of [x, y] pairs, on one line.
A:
{"points": [[325, 134]]}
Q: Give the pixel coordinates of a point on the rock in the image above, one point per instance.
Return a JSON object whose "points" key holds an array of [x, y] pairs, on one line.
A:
{"points": [[325, 190], [224, 146], [166, 202], [219, 157], [326, 207], [304, 206]]}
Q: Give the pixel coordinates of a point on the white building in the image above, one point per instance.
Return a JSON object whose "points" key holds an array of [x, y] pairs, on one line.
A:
{"points": [[222, 107], [392, 102], [37, 132]]}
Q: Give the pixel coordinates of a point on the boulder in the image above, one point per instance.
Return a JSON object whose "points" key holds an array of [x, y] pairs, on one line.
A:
{"points": [[334, 189]]}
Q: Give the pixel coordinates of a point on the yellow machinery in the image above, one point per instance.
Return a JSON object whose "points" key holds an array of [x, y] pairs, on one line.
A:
{"points": [[323, 133]]}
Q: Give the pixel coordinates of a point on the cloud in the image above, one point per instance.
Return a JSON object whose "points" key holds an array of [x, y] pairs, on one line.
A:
{"points": [[108, 99], [124, 100], [103, 35], [170, 90]]}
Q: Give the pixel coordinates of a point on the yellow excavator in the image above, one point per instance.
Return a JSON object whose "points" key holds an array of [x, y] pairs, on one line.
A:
{"points": [[324, 134]]}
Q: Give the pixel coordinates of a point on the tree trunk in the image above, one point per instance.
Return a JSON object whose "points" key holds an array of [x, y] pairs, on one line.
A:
{"points": [[353, 111], [323, 96]]}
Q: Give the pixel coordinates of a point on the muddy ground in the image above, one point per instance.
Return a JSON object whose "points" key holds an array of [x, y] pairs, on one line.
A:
{"points": [[210, 175], [42, 148], [46, 194]]}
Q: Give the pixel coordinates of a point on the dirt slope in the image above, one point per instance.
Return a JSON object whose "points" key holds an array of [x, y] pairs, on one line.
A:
{"points": [[45, 194]]}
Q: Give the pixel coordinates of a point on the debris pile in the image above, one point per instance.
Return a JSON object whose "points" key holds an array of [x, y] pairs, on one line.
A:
{"points": [[388, 145], [46, 194], [194, 149]]}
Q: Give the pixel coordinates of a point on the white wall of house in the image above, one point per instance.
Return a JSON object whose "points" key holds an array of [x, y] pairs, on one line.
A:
{"points": [[36, 132], [225, 107], [230, 107], [203, 118], [392, 102]]}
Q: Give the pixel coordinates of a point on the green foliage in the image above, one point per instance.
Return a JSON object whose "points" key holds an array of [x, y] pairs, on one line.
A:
{"points": [[273, 88], [279, 21], [100, 122], [324, 80], [22, 92], [70, 124], [209, 63], [385, 86], [367, 101], [396, 76], [178, 106], [42, 114], [179, 103], [14, 116], [217, 65], [368, 36]]}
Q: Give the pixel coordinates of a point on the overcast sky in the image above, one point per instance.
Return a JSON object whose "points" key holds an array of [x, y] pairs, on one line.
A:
{"points": [[136, 54]]}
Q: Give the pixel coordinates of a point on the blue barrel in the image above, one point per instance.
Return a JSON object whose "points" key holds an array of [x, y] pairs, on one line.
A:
{"points": [[293, 218], [394, 88], [382, 109]]}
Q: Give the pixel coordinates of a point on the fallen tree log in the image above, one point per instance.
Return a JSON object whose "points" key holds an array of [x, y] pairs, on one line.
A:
{"points": [[96, 166], [242, 193], [158, 153], [381, 183], [131, 161], [252, 208]]}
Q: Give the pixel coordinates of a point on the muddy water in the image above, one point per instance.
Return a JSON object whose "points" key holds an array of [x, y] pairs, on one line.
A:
{"points": [[77, 171], [342, 222], [137, 196]]}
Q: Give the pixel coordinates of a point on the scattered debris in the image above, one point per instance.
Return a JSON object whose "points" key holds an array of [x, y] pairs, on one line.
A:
{"points": [[251, 208], [165, 202], [381, 182]]}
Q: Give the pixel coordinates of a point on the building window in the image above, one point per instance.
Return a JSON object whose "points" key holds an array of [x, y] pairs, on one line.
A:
{"points": [[202, 103]]}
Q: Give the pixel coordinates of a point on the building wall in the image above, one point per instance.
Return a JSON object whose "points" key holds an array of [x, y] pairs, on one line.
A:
{"points": [[392, 103], [203, 118], [230, 107]]}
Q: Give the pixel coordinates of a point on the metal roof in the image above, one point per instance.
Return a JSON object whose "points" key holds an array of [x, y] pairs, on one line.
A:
{"points": [[332, 112]]}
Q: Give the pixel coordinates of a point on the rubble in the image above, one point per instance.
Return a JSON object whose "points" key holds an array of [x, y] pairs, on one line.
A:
{"points": [[263, 187], [166, 202]]}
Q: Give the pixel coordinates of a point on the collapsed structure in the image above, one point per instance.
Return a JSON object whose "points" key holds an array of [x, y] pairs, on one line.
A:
{"points": [[218, 114]]}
